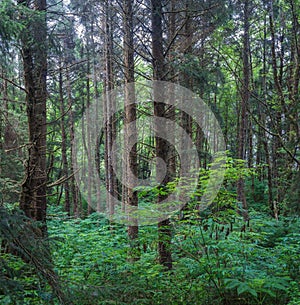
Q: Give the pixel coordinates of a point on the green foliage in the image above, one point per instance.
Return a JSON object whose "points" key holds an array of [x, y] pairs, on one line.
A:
{"points": [[243, 267], [292, 196], [214, 262], [26, 269], [10, 27], [10, 177], [225, 204]]}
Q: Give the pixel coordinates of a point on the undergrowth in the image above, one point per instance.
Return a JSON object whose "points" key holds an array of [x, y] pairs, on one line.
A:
{"points": [[215, 262]]}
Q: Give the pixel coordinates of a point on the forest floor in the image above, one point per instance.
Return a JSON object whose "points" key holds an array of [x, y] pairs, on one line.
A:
{"points": [[214, 263]]}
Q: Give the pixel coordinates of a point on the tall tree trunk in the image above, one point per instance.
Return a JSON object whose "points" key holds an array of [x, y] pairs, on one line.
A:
{"points": [[263, 120], [171, 111], [73, 165], [277, 157], [109, 110], [97, 102], [88, 134], [33, 199], [65, 166], [187, 82], [164, 230], [130, 139], [245, 96]]}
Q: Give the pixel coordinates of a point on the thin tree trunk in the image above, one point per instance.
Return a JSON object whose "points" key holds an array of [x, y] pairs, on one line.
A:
{"points": [[277, 76], [88, 137], [96, 174], [171, 113], [65, 165], [164, 230], [130, 139], [110, 128], [244, 102], [73, 164], [264, 138], [187, 80]]}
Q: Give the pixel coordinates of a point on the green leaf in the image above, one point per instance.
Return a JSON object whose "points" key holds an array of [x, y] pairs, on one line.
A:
{"points": [[231, 283], [242, 288]]}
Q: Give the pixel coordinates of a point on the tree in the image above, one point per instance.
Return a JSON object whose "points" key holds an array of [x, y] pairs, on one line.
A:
{"points": [[64, 157], [162, 147], [109, 107], [245, 96], [33, 199], [130, 137]]}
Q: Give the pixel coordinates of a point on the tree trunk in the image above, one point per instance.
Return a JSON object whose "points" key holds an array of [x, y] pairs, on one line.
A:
{"points": [[263, 120], [245, 96], [88, 136], [65, 166], [277, 157], [73, 164], [109, 111], [34, 52], [162, 149], [97, 101], [130, 138]]}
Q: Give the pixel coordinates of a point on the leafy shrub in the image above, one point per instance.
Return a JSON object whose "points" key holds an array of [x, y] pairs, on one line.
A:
{"points": [[214, 262]]}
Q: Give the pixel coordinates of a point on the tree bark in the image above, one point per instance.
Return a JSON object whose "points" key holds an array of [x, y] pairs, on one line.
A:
{"points": [[245, 96], [34, 53], [130, 138], [162, 147], [109, 111], [65, 165]]}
